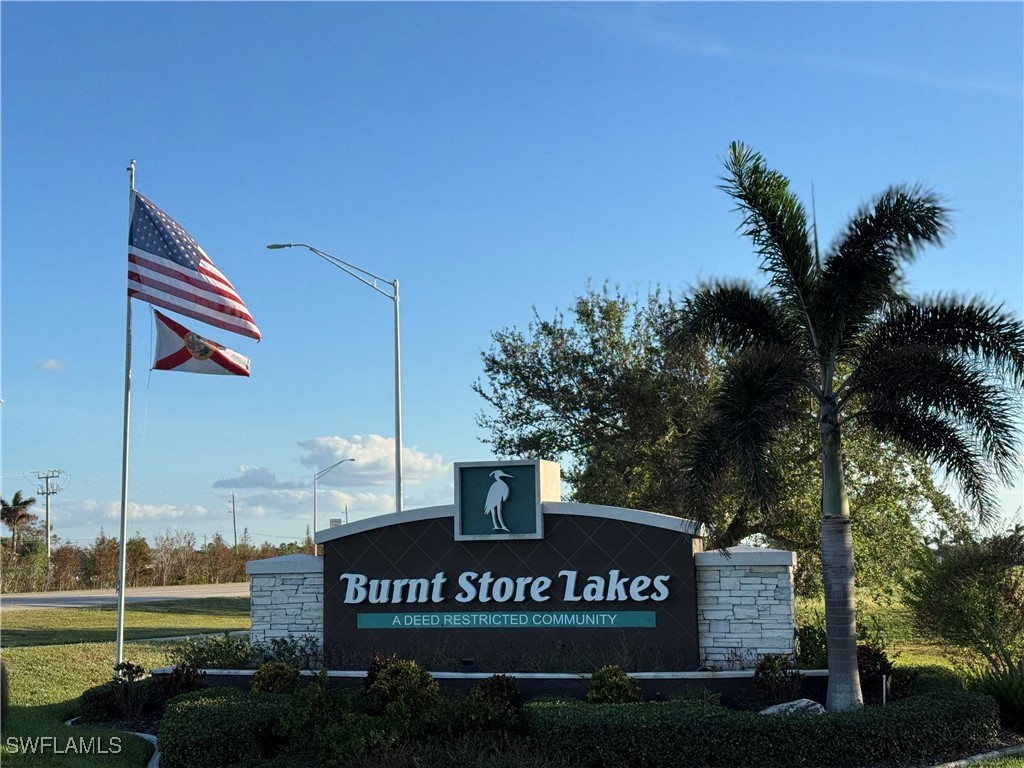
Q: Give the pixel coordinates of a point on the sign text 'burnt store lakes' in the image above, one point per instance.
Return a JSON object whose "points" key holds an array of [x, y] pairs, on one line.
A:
{"points": [[486, 588]]}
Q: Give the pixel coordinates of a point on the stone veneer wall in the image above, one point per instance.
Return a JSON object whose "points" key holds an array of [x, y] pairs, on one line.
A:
{"points": [[744, 602], [287, 595], [744, 606]]}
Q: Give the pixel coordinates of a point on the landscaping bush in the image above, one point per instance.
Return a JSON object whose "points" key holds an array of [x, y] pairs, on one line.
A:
{"points": [[98, 703], [131, 689], [811, 645], [184, 678], [402, 691], [377, 664], [970, 592], [611, 685], [302, 651], [1007, 688], [127, 695], [275, 677], [218, 652], [777, 679], [654, 735], [902, 683], [874, 668], [217, 727], [495, 705], [325, 725]]}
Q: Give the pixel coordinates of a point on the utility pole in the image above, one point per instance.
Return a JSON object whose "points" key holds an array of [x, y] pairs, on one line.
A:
{"points": [[234, 522], [47, 490]]}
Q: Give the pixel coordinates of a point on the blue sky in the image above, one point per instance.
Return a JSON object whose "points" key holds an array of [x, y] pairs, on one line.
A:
{"points": [[492, 157]]}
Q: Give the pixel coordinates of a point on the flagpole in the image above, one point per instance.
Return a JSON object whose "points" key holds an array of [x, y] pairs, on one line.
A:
{"points": [[123, 543]]}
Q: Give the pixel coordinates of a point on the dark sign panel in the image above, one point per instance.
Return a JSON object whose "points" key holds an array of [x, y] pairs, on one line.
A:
{"points": [[603, 585]]}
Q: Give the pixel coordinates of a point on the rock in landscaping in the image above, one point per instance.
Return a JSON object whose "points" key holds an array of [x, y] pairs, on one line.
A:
{"points": [[798, 707]]}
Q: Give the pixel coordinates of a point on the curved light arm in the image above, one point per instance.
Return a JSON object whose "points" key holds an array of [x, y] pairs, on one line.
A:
{"points": [[323, 472], [362, 275]]}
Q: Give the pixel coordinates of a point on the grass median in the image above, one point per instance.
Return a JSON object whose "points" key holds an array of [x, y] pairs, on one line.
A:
{"points": [[167, 618]]}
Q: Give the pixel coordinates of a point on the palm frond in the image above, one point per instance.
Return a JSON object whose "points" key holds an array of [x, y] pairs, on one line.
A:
{"points": [[776, 223], [757, 398], [940, 441], [925, 379], [977, 328], [732, 315], [862, 271]]}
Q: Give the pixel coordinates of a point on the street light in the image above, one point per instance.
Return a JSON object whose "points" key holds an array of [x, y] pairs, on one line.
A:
{"points": [[316, 478], [373, 281]]}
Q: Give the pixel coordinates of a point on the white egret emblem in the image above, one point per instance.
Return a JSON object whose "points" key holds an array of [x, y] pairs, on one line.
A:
{"points": [[496, 496]]}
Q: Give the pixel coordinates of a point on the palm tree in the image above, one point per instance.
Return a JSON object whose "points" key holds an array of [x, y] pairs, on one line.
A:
{"points": [[838, 341], [16, 513]]}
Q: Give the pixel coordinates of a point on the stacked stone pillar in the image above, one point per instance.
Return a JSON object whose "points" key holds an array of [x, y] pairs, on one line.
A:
{"points": [[287, 595], [744, 606]]}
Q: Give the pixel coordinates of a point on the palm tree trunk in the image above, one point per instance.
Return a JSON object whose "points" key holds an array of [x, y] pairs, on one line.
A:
{"points": [[838, 572]]}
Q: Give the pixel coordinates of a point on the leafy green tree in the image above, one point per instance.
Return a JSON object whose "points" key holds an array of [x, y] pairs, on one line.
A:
{"points": [[102, 562], [599, 393], [596, 389], [838, 342], [139, 561], [16, 514], [970, 592]]}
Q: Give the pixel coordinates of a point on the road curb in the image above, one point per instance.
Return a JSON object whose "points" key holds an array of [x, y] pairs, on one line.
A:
{"points": [[1007, 752]]}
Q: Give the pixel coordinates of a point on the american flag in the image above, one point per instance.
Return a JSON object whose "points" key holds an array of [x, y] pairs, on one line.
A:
{"points": [[167, 268]]}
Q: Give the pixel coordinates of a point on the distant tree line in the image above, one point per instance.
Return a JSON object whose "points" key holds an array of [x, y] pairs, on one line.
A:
{"points": [[175, 557]]}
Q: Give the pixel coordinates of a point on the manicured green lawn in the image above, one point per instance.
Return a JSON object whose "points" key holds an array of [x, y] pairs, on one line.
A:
{"points": [[1016, 761], [45, 682], [170, 618], [53, 655]]}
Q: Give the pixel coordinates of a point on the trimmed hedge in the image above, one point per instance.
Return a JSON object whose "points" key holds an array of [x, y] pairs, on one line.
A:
{"points": [[218, 727], [676, 734]]}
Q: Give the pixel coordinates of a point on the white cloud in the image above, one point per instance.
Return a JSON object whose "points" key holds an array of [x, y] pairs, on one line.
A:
{"points": [[94, 513], [374, 461], [277, 504], [257, 477], [52, 364]]}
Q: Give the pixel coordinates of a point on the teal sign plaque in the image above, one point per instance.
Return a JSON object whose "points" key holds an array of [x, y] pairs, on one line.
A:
{"points": [[507, 620], [502, 500]]}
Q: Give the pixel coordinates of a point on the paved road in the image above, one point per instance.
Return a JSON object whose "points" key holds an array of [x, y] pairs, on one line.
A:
{"points": [[90, 598]]}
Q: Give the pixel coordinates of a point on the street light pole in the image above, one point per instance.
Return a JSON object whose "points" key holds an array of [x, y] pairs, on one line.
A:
{"points": [[316, 478], [373, 281]]}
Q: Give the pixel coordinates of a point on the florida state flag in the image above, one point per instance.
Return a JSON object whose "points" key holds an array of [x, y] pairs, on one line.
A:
{"points": [[179, 349]]}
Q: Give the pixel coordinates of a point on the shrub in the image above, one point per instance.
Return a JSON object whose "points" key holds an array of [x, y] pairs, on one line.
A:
{"points": [[323, 724], [650, 735], [217, 727], [130, 689], [496, 705], [902, 683], [275, 677], [696, 696], [218, 652], [611, 685], [1007, 688], [403, 692], [302, 651], [184, 678], [377, 664], [98, 703], [811, 644], [498, 688], [777, 679], [971, 592], [874, 669]]}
